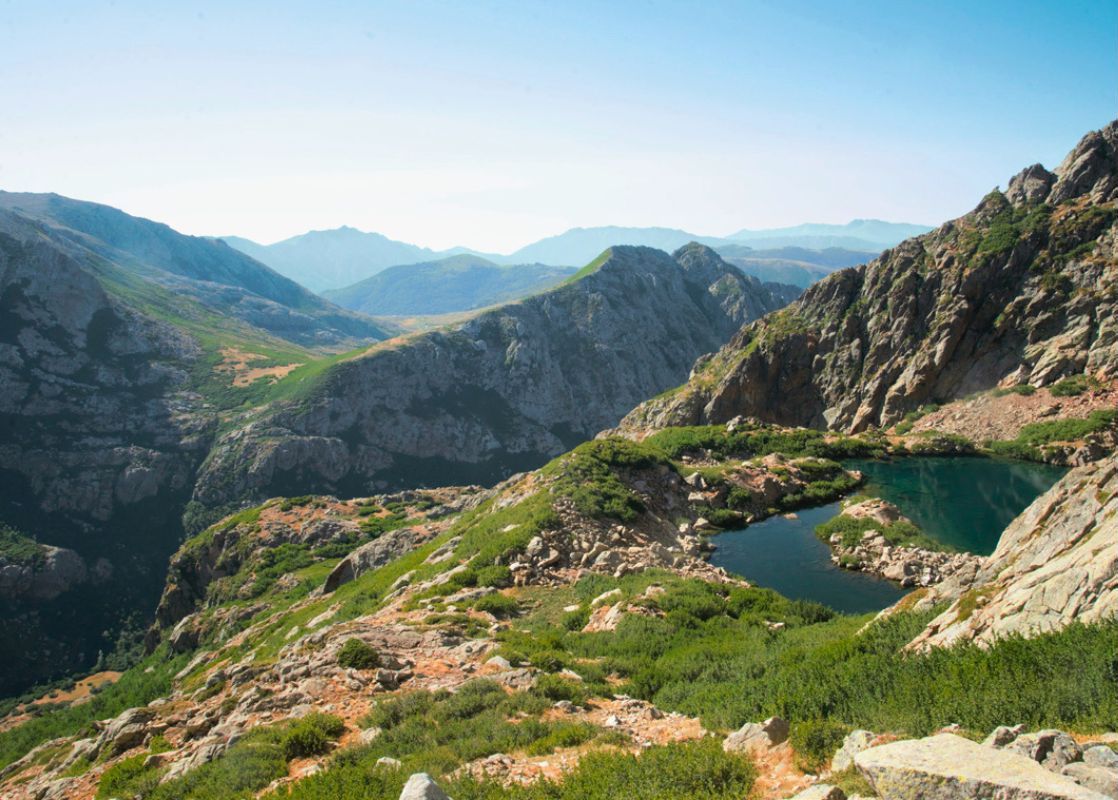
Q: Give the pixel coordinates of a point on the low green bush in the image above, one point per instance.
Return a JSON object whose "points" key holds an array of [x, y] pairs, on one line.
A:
{"points": [[253, 762], [1032, 438], [128, 778], [498, 605], [20, 549], [555, 688], [815, 741], [901, 533], [698, 770], [357, 654], [587, 476], [496, 575], [311, 735], [1070, 387], [137, 687], [563, 734], [1023, 389]]}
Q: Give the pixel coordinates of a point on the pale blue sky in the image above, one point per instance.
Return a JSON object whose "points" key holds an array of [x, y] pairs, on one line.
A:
{"points": [[493, 124]]}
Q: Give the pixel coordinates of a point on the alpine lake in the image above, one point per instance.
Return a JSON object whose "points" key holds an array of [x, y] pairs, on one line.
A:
{"points": [[963, 502]]}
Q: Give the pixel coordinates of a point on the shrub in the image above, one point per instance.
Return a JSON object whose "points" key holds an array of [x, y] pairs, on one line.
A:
{"points": [[391, 712], [556, 688], [564, 734], [1032, 437], [128, 778], [576, 620], [245, 769], [289, 503], [696, 770], [498, 576], [498, 605], [311, 735], [815, 741], [137, 687], [586, 476], [470, 700], [1023, 389], [20, 549], [254, 762], [739, 498], [900, 533], [1070, 387], [357, 654], [721, 517]]}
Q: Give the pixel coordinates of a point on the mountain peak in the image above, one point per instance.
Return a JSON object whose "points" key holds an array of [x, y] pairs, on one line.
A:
{"points": [[1090, 169]]}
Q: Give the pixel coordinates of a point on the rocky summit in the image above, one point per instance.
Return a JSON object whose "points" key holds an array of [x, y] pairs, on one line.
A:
{"points": [[1020, 291]]}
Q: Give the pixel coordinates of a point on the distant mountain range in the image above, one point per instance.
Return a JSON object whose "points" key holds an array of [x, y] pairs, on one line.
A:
{"points": [[334, 259], [859, 234], [456, 283], [468, 282]]}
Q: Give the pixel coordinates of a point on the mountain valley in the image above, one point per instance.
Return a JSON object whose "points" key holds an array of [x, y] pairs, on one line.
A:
{"points": [[475, 561]]}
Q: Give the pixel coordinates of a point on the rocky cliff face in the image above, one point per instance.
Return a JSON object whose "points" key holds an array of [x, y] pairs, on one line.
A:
{"points": [[107, 331], [500, 393], [1057, 563], [1020, 290], [98, 445]]}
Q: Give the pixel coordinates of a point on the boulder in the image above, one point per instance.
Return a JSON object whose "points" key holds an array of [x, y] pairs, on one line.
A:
{"points": [[372, 555], [208, 751], [949, 767], [821, 791], [1054, 565], [757, 736], [1098, 779], [499, 663], [1051, 748], [1003, 735], [854, 743], [126, 731], [1100, 756], [421, 786]]}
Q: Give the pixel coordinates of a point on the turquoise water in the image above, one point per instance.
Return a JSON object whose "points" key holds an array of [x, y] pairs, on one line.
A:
{"points": [[963, 502], [786, 555]]}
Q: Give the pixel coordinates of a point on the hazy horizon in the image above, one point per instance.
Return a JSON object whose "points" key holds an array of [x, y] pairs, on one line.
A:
{"points": [[495, 125], [554, 234]]}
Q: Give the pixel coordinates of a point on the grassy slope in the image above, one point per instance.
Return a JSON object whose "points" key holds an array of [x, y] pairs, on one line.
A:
{"points": [[709, 651]]}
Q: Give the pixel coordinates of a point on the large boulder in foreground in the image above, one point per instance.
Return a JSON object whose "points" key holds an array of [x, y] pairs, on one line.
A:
{"points": [[949, 767]]}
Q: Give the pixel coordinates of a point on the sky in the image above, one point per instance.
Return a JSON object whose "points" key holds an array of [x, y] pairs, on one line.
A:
{"points": [[493, 124]]}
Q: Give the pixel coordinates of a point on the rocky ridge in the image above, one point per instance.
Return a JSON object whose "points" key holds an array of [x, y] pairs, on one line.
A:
{"points": [[504, 391], [1019, 291]]}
